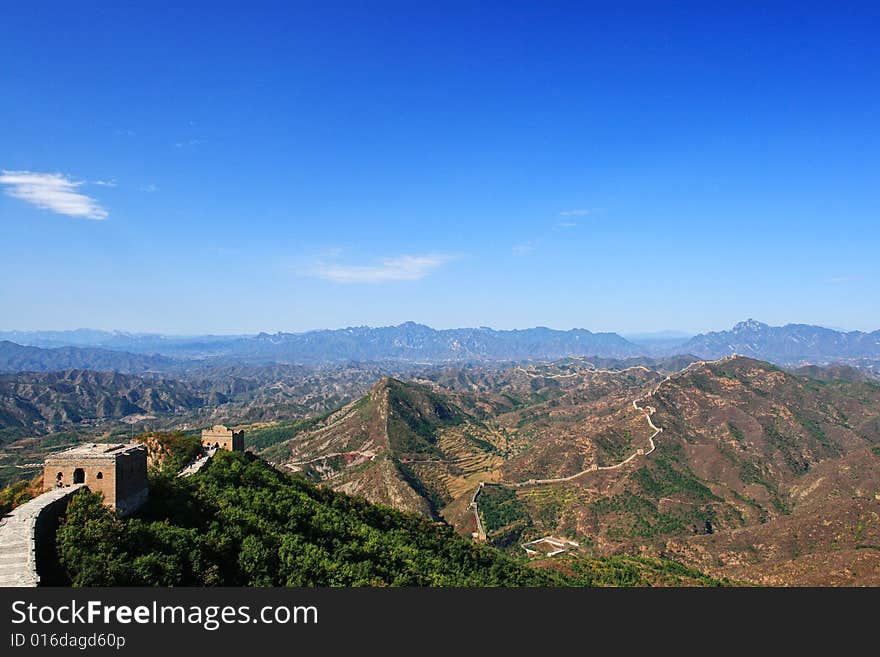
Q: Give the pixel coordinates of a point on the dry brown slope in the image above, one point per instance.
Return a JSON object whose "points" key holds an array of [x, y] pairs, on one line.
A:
{"points": [[402, 444], [803, 453]]}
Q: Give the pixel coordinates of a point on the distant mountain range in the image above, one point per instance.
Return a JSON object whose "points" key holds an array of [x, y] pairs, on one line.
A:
{"points": [[142, 343], [411, 341], [20, 358], [789, 344], [793, 344], [406, 342]]}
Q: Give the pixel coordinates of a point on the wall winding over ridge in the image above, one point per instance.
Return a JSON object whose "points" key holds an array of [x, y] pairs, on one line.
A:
{"points": [[27, 537]]}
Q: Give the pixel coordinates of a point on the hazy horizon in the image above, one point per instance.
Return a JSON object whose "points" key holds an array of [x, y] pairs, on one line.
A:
{"points": [[662, 334]]}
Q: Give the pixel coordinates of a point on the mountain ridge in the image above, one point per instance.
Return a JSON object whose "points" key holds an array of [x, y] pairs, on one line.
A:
{"points": [[745, 446], [38, 403], [410, 342], [24, 358], [789, 344]]}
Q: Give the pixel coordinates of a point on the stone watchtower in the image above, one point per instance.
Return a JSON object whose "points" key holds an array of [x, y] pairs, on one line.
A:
{"points": [[224, 438], [118, 470]]}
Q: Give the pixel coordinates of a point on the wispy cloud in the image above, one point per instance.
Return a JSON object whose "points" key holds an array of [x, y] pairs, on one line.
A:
{"points": [[567, 224], [523, 249], [577, 212], [104, 183], [149, 188], [184, 144], [400, 268], [51, 191]]}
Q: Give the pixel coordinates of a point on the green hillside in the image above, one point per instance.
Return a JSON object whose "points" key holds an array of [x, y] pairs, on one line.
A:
{"points": [[239, 522]]}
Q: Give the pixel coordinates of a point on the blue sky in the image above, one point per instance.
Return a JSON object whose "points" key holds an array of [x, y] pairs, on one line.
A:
{"points": [[613, 166]]}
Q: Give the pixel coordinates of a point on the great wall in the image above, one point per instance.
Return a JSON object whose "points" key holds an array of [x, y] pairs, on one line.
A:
{"points": [[25, 534], [116, 470], [480, 533]]}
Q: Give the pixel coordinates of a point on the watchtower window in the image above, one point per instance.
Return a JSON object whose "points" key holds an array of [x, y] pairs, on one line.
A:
{"points": [[79, 476], [100, 475], [59, 476]]}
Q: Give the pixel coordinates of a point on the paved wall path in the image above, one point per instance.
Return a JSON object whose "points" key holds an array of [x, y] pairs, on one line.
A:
{"points": [[198, 464], [19, 536]]}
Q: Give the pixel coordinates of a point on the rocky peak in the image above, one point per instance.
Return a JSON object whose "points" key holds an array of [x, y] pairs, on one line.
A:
{"points": [[750, 325]]}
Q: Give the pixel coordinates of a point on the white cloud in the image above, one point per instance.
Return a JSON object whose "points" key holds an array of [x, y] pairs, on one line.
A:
{"points": [[523, 249], [104, 183], [577, 212], [149, 188], [567, 224], [401, 268], [51, 191]]}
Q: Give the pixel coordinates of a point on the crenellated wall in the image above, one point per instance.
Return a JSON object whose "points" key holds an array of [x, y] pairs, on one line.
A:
{"points": [[224, 438], [116, 470]]}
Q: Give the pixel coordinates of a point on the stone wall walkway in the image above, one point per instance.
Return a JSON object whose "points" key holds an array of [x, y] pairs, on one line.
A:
{"points": [[18, 538], [198, 464]]}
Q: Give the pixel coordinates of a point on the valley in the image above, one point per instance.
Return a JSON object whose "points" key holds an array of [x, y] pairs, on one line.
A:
{"points": [[734, 466], [697, 464]]}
